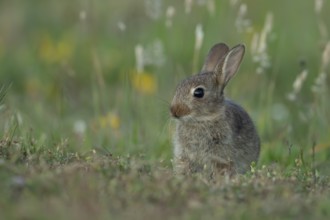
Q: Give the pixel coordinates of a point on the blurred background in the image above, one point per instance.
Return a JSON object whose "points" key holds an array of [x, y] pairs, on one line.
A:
{"points": [[100, 74]]}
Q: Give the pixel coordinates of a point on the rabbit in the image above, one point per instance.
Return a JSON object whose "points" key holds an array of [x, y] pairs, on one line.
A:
{"points": [[213, 135]]}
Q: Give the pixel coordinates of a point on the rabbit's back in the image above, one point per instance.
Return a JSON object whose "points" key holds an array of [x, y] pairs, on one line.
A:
{"points": [[228, 140], [245, 141]]}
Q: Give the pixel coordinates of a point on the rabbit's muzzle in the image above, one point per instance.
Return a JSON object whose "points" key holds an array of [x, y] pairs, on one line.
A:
{"points": [[179, 110]]}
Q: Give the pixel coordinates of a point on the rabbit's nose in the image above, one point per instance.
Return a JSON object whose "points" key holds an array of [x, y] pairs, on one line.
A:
{"points": [[177, 111], [174, 112]]}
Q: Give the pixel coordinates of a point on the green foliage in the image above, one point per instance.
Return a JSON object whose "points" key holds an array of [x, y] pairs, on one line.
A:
{"points": [[84, 125]]}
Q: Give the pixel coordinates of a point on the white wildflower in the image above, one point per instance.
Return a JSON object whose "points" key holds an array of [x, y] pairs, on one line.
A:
{"points": [[82, 15], [259, 45], [188, 6], [170, 12], [121, 25], [318, 6], [79, 127], [299, 81], [326, 56], [242, 23], [319, 85], [297, 85], [152, 54], [211, 6], [139, 58], [153, 8], [199, 35]]}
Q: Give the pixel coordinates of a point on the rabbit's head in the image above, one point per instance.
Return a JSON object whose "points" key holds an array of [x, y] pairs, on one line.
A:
{"points": [[200, 97]]}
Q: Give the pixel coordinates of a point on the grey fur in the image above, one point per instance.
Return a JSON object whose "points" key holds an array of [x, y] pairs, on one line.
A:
{"points": [[213, 134]]}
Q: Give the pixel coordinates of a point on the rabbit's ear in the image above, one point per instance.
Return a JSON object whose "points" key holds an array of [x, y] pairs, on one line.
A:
{"points": [[216, 54], [227, 68]]}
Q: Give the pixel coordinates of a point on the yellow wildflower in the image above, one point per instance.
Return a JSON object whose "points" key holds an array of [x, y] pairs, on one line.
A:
{"points": [[111, 120], [55, 51], [144, 82], [64, 49], [47, 49], [114, 120]]}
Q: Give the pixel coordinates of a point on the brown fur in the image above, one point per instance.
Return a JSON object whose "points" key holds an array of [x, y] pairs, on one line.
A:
{"points": [[213, 134]]}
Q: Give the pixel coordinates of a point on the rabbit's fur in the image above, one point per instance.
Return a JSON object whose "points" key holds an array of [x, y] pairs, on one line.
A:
{"points": [[213, 134]]}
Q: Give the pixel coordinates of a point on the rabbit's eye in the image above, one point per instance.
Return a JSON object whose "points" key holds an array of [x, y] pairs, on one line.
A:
{"points": [[199, 92]]}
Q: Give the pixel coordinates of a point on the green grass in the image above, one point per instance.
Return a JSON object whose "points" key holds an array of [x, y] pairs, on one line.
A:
{"points": [[80, 140]]}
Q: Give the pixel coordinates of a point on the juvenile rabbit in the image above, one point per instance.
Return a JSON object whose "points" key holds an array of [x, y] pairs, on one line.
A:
{"points": [[213, 134]]}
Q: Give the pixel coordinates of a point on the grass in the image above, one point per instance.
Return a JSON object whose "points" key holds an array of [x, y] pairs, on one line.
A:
{"points": [[61, 185], [84, 125]]}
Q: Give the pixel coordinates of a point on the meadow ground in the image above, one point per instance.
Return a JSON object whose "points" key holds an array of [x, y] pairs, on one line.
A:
{"points": [[85, 88]]}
